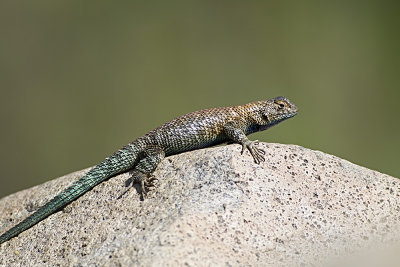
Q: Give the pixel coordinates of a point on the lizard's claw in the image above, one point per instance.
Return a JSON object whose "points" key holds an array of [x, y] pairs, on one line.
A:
{"points": [[147, 182], [257, 153], [150, 181]]}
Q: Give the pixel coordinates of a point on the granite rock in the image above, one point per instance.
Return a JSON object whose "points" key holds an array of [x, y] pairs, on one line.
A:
{"points": [[215, 207]]}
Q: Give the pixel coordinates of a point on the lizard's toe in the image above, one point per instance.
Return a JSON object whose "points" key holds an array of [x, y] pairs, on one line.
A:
{"points": [[147, 181], [150, 181], [257, 153]]}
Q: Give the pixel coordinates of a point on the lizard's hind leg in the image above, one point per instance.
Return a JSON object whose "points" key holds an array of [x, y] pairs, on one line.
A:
{"points": [[143, 171]]}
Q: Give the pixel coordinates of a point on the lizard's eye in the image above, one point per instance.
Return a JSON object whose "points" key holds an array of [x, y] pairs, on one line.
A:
{"points": [[281, 105]]}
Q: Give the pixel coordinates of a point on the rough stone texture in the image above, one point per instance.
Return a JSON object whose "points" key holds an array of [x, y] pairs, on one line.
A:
{"points": [[214, 207]]}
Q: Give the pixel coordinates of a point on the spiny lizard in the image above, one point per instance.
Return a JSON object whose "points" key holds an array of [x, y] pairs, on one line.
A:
{"points": [[192, 131]]}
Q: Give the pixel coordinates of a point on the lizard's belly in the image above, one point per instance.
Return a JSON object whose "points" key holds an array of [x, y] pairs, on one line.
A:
{"points": [[174, 142], [171, 150]]}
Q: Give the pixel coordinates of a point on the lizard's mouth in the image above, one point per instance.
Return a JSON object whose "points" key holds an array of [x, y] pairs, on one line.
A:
{"points": [[274, 119], [289, 115], [294, 113]]}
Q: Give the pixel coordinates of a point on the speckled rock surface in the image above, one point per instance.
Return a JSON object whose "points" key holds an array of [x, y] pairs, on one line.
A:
{"points": [[214, 207]]}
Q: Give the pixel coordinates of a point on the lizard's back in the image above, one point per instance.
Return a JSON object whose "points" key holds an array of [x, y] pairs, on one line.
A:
{"points": [[194, 130]]}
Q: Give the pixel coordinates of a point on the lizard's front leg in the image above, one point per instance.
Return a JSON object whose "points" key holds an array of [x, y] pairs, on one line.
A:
{"points": [[143, 171], [235, 130]]}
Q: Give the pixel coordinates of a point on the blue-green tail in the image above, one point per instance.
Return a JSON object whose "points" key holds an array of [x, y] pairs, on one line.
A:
{"points": [[122, 160]]}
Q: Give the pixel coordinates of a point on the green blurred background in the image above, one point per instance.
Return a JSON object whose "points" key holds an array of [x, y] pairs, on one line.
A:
{"points": [[80, 79]]}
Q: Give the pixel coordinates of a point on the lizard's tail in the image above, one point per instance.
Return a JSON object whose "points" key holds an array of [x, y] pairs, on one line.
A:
{"points": [[122, 160]]}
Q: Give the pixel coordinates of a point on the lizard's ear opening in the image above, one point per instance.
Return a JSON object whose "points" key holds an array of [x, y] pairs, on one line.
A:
{"points": [[265, 117]]}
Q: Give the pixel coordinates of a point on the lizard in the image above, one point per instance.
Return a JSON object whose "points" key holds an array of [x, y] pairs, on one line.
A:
{"points": [[195, 130]]}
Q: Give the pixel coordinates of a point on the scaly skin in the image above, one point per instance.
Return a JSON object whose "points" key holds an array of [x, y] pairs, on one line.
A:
{"points": [[192, 131]]}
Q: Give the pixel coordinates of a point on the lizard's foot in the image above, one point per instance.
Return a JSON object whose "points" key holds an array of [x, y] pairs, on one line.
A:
{"points": [[257, 153], [147, 182]]}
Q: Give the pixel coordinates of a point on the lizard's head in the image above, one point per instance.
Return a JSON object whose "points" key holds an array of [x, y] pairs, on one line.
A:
{"points": [[277, 109]]}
